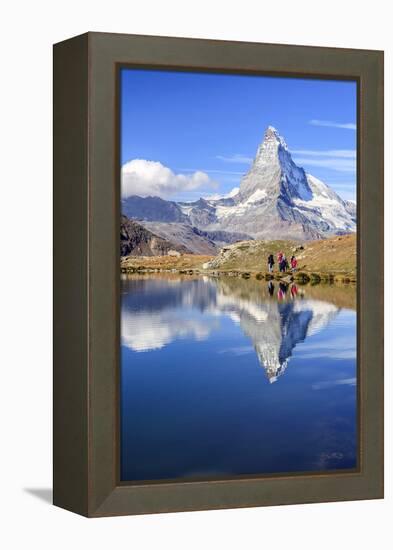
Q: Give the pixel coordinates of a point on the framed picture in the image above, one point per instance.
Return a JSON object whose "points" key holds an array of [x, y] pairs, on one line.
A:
{"points": [[218, 274]]}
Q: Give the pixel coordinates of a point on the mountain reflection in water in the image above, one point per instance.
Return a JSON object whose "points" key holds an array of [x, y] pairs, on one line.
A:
{"points": [[274, 316], [196, 358]]}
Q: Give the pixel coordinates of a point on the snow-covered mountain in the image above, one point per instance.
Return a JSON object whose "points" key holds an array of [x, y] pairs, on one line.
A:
{"points": [[276, 200], [273, 328]]}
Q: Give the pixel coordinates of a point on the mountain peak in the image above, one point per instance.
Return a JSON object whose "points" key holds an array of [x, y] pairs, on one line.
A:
{"points": [[273, 135], [276, 199], [268, 150], [274, 172]]}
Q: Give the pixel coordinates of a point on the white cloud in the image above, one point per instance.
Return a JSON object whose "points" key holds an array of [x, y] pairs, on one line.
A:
{"points": [[339, 153], [210, 171], [151, 178], [334, 163], [343, 354], [150, 331], [343, 186], [341, 160], [236, 158], [238, 350], [216, 196], [332, 124], [332, 383]]}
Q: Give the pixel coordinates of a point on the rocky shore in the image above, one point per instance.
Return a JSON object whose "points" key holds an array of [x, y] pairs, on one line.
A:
{"points": [[300, 277]]}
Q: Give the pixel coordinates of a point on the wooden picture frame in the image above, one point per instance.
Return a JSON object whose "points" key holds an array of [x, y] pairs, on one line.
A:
{"points": [[86, 273]]}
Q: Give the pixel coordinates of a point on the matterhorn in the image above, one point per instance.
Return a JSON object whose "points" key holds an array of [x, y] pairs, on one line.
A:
{"points": [[276, 199]]}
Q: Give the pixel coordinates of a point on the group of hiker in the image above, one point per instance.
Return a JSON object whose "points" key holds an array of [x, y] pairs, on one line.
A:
{"points": [[283, 264], [282, 290]]}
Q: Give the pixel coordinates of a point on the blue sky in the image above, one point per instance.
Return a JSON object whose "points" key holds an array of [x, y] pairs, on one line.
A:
{"points": [[194, 134]]}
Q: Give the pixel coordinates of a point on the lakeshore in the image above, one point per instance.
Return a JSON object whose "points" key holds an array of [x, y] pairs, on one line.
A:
{"points": [[324, 261]]}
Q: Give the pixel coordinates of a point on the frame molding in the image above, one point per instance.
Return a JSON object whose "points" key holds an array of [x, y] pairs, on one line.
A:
{"points": [[86, 274]]}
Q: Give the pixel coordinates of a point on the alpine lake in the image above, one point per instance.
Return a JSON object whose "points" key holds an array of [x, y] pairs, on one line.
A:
{"points": [[225, 376]]}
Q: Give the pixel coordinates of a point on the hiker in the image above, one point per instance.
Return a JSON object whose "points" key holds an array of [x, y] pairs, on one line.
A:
{"points": [[282, 290], [279, 261], [283, 264], [293, 264], [293, 291], [270, 263], [283, 287], [270, 288]]}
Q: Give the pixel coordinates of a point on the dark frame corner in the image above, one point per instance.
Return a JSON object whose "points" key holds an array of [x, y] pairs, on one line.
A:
{"points": [[86, 304]]}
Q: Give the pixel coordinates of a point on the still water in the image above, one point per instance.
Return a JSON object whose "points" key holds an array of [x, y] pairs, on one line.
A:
{"points": [[226, 377]]}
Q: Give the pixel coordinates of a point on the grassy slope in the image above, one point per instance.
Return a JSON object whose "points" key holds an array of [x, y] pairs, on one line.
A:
{"points": [[186, 261], [335, 255]]}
